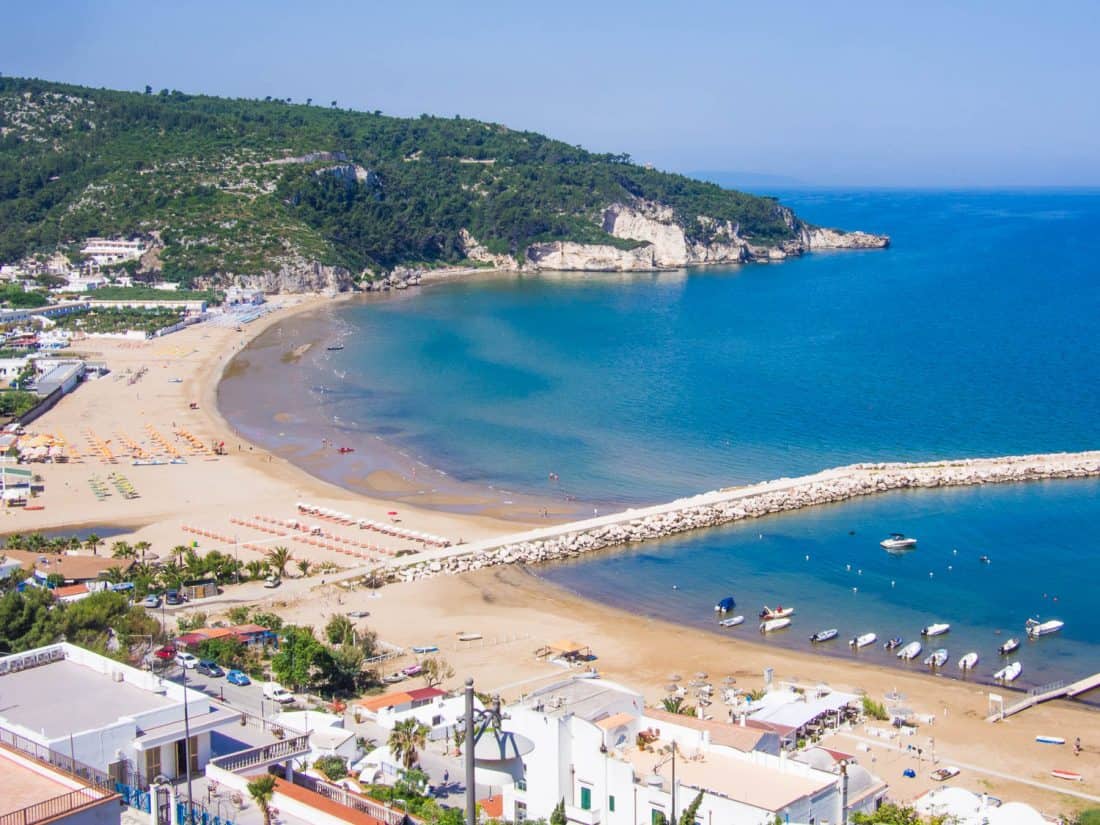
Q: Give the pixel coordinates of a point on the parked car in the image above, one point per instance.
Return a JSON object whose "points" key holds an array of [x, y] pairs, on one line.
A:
{"points": [[412, 670], [238, 677], [272, 581], [209, 668], [187, 660], [152, 601], [173, 597], [166, 653], [277, 693]]}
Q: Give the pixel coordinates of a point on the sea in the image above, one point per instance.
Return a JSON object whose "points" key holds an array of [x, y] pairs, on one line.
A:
{"points": [[974, 334]]}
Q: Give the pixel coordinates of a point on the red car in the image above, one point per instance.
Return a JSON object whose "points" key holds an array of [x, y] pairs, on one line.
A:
{"points": [[166, 653]]}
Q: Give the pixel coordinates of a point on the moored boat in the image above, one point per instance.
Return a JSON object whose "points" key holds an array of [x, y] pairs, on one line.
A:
{"points": [[944, 774], [732, 621], [1072, 776], [910, 651], [936, 658], [334, 347], [892, 643], [936, 629], [897, 541], [1051, 740], [862, 640], [824, 635], [968, 661], [781, 612], [725, 605], [1035, 628], [1008, 647], [774, 624], [1009, 673]]}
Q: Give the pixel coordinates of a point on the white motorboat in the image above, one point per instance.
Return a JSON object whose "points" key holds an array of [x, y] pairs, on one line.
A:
{"points": [[774, 624], [781, 612], [1009, 672], [968, 661], [863, 640], [824, 635], [936, 658], [732, 621], [910, 651], [897, 541], [1008, 647], [1035, 629], [937, 629]]}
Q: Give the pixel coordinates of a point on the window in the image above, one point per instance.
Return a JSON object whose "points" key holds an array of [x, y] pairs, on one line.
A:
{"points": [[152, 764], [521, 812], [586, 799], [194, 755], [611, 804], [656, 816]]}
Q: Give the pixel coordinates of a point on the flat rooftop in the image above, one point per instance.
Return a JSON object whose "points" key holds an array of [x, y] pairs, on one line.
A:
{"points": [[743, 780], [64, 697], [24, 782], [588, 699]]}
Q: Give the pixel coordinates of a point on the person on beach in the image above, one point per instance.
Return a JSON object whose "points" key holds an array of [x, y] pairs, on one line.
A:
{"points": [[1077, 746]]}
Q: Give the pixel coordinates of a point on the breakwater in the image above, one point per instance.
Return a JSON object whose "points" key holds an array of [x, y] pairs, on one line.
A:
{"points": [[735, 504]]}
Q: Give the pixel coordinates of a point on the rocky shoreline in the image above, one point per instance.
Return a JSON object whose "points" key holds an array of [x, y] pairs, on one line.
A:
{"points": [[736, 504]]}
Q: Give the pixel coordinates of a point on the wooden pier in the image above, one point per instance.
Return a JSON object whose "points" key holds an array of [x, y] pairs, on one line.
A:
{"points": [[1058, 690]]}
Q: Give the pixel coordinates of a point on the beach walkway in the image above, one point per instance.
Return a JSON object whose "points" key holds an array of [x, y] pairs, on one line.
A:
{"points": [[1058, 690]]}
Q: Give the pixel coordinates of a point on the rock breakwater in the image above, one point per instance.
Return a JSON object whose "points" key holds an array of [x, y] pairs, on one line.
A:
{"points": [[736, 504]]}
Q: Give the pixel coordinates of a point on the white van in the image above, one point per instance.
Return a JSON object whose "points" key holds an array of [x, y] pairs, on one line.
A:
{"points": [[277, 693]]}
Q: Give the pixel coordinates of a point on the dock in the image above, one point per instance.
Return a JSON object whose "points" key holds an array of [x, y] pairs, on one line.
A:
{"points": [[1057, 690]]}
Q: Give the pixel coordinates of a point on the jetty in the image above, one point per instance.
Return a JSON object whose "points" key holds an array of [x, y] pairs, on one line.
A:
{"points": [[1056, 690], [734, 504]]}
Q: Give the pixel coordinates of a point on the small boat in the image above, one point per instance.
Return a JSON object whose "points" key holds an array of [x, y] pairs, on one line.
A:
{"points": [[334, 347], [892, 643], [1035, 629], [1051, 740], [175, 380], [983, 559], [937, 658], [774, 624], [345, 450], [780, 612], [725, 605], [732, 621], [937, 629], [1009, 673], [862, 641], [910, 651], [1072, 776], [968, 661], [468, 637], [897, 541], [425, 649], [943, 774], [1008, 647], [824, 635]]}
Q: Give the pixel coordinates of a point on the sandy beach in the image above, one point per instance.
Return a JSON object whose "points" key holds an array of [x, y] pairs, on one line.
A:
{"points": [[240, 502]]}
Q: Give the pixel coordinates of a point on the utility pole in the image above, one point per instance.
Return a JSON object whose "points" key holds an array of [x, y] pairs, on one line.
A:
{"points": [[844, 792], [471, 802]]}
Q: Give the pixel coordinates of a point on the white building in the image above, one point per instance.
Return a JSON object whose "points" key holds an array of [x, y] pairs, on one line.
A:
{"points": [[429, 706], [592, 744], [327, 734], [106, 251], [963, 807]]}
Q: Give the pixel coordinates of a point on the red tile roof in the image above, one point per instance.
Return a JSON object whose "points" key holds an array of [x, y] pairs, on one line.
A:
{"points": [[493, 806], [323, 804]]}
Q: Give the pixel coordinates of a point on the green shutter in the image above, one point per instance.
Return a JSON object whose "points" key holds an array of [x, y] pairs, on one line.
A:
{"points": [[586, 799], [611, 804]]}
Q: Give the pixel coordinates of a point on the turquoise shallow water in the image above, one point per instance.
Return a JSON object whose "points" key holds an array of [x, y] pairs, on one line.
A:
{"points": [[975, 334]]}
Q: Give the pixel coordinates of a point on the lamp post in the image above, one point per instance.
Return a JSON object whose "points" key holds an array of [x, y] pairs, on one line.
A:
{"points": [[661, 764], [490, 718], [186, 737]]}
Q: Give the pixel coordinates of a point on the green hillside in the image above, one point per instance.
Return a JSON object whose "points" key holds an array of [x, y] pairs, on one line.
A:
{"points": [[237, 186]]}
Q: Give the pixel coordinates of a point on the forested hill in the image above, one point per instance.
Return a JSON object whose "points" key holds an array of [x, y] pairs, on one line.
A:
{"points": [[236, 186]]}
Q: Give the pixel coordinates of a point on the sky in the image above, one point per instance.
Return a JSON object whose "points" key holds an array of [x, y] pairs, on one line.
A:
{"points": [[850, 93]]}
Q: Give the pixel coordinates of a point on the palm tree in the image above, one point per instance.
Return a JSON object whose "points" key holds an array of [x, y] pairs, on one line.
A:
{"points": [[304, 566], [171, 575], [262, 791], [178, 552], [114, 575], [15, 541], [406, 738], [676, 704], [142, 547], [122, 550], [255, 568], [279, 558], [75, 542], [193, 564], [92, 543], [35, 542]]}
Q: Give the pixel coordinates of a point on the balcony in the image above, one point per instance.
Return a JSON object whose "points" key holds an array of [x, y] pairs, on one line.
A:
{"points": [[582, 816]]}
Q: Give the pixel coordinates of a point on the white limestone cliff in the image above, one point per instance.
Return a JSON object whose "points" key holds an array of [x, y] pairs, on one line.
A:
{"points": [[817, 237]]}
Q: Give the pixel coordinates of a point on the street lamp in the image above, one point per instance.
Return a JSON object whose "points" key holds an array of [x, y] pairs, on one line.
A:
{"points": [[671, 757], [476, 723]]}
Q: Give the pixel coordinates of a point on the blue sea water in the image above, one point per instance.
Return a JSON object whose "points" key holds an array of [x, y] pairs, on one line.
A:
{"points": [[974, 334]]}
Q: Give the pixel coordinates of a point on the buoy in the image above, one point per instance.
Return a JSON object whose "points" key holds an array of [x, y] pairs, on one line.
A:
{"points": [[855, 589], [930, 574], [807, 558], [849, 567], [892, 583]]}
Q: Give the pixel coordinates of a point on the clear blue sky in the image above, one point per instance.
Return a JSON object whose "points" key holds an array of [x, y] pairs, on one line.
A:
{"points": [[881, 93]]}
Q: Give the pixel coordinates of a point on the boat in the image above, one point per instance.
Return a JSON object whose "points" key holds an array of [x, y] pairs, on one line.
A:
{"points": [[936, 658], [897, 541], [1008, 647], [1008, 673], [1072, 776], [1035, 628], [824, 635], [732, 621], [968, 661], [863, 640], [1051, 740], [937, 629], [725, 605], [780, 612], [345, 450], [469, 637], [774, 624], [944, 774], [892, 643], [334, 347], [425, 649], [983, 559], [910, 651]]}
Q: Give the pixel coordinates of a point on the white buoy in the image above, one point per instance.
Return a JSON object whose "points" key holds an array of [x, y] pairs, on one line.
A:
{"points": [[930, 574], [893, 583], [848, 567], [807, 558], [855, 589]]}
